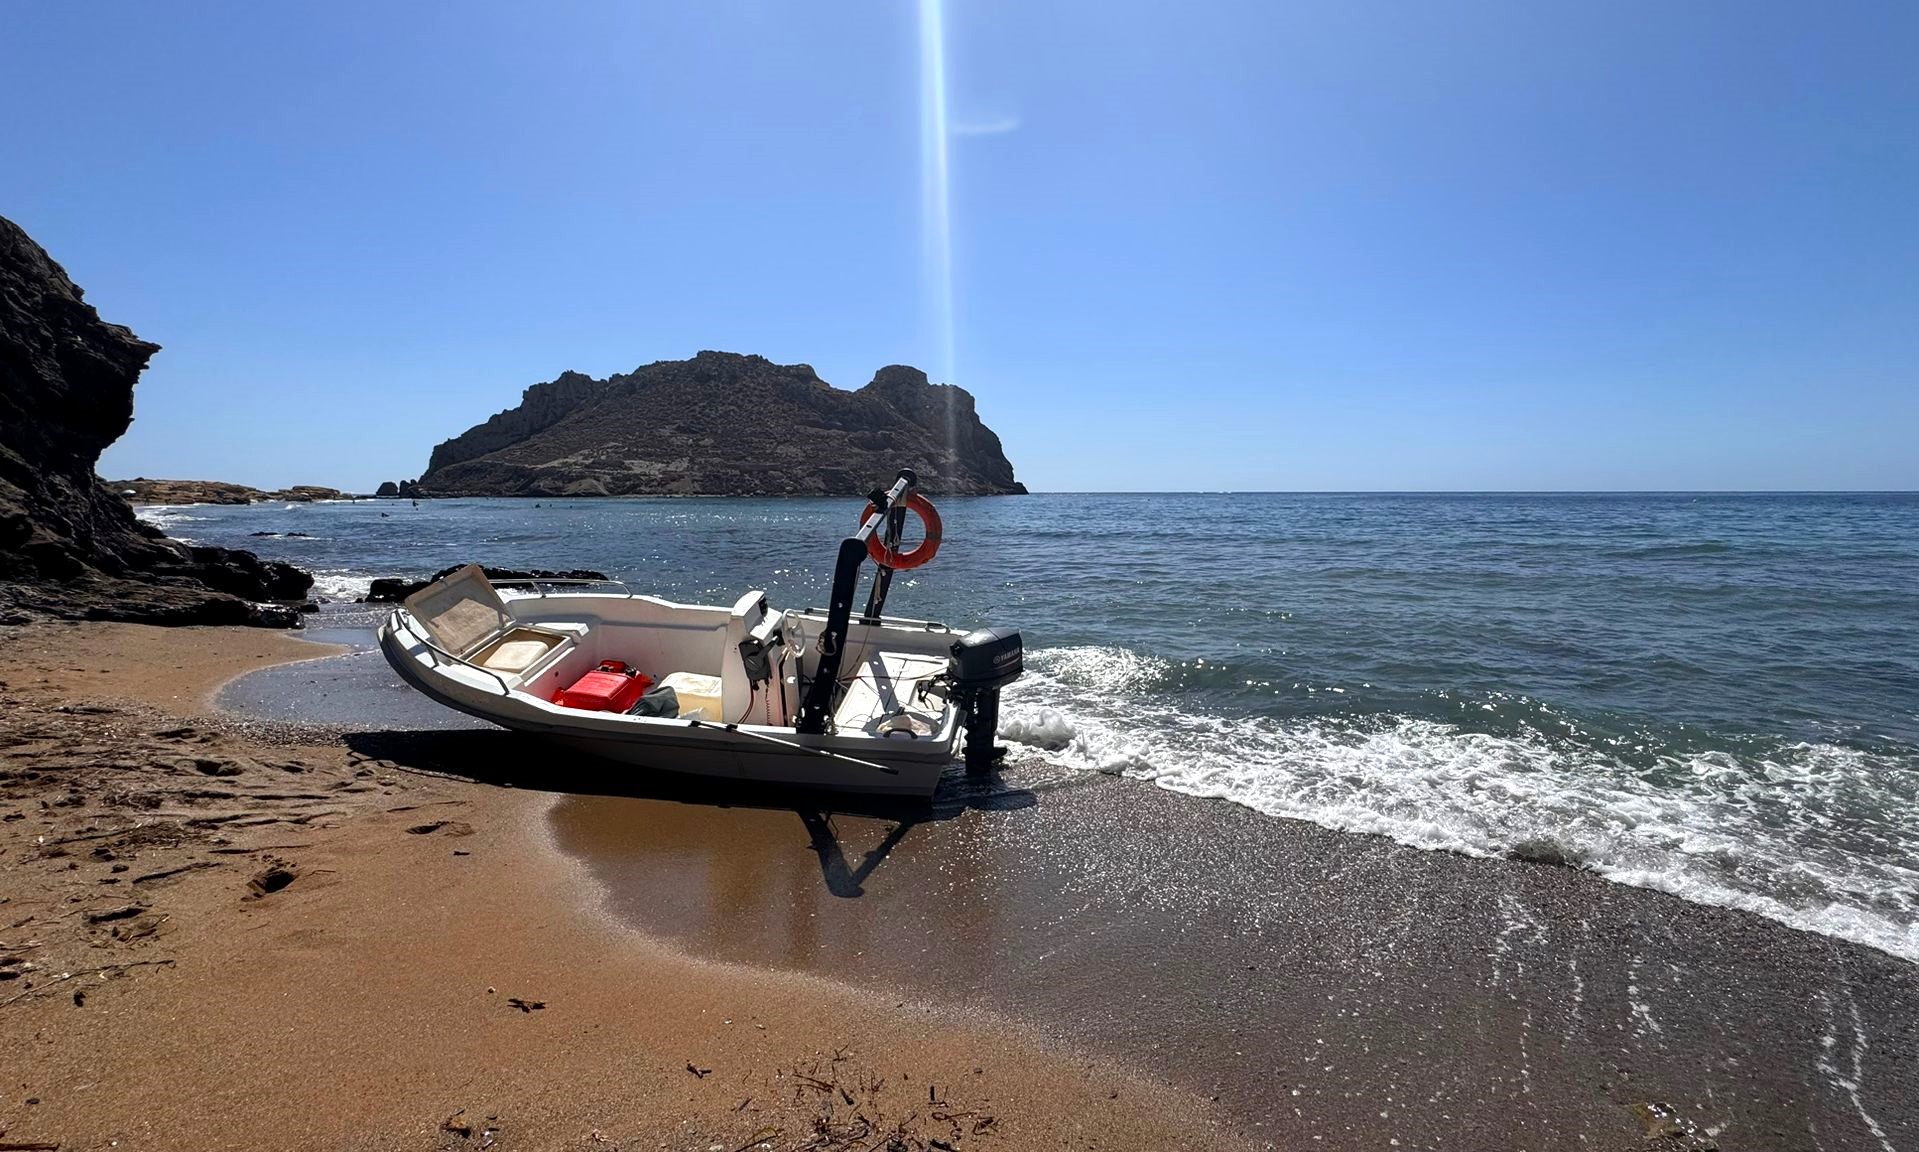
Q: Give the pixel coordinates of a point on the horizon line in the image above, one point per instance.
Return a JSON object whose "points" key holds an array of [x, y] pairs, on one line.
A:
{"points": [[1474, 492]]}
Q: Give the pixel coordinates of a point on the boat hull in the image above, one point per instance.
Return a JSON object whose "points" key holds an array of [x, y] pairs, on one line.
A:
{"points": [[779, 757]]}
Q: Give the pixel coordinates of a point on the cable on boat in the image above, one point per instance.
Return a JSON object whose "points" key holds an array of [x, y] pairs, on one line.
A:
{"points": [[693, 723]]}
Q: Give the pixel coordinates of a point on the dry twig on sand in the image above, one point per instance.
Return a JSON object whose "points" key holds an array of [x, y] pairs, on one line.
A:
{"points": [[162, 874], [66, 976], [770, 1132], [844, 1107]]}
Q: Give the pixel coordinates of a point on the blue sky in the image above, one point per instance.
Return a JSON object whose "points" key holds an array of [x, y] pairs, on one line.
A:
{"points": [[1195, 246]]}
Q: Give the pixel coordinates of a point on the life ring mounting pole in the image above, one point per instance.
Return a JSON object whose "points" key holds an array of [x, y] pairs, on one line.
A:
{"points": [[889, 541], [817, 705]]}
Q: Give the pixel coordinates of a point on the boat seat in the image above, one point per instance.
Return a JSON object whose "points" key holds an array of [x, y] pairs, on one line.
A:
{"points": [[884, 695]]}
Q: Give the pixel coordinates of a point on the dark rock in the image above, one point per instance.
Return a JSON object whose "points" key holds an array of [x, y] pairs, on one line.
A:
{"points": [[306, 493], [244, 574], [392, 589], [387, 488], [276, 616], [69, 545], [723, 424]]}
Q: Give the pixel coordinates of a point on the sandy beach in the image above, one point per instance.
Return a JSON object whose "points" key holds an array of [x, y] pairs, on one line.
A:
{"points": [[370, 937], [223, 934]]}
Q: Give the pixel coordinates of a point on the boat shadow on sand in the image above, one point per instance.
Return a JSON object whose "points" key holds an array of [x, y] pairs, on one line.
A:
{"points": [[515, 760]]}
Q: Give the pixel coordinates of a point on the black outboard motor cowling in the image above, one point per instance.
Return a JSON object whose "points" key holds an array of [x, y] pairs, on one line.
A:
{"points": [[983, 662], [988, 658]]}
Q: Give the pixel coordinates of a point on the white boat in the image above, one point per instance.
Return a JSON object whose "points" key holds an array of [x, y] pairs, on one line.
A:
{"points": [[818, 698]]}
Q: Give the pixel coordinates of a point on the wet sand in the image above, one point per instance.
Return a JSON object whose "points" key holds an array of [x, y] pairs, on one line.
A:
{"points": [[1328, 990]]}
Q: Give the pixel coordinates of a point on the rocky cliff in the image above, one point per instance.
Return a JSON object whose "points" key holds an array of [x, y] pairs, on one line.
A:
{"points": [[69, 545], [723, 424]]}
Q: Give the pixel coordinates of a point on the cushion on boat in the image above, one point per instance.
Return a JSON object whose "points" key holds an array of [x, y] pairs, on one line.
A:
{"points": [[883, 698], [697, 694], [517, 651]]}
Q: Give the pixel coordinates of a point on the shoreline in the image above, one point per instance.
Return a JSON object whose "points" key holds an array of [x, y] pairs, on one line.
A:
{"points": [[365, 1002], [1327, 989], [1471, 710]]}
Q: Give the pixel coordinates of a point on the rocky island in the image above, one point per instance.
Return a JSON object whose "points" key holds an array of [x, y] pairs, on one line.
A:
{"points": [[69, 545], [722, 424]]}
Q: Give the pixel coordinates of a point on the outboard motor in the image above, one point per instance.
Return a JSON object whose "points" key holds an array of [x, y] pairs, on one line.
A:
{"points": [[983, 662]]}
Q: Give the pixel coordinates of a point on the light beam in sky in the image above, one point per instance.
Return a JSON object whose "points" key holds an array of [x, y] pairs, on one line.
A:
{"points": [[936, 209], [936, 212]]}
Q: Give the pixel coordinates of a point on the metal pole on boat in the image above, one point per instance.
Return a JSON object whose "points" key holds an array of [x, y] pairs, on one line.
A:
{"points": [[883, 579], [817, 704], [691, 723]]}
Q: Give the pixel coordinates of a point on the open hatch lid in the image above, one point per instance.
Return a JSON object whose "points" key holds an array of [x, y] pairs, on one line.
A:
{"points": [[461, 611]]}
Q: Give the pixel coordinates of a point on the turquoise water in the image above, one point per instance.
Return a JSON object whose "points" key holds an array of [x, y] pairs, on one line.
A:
{"points": [[1713, 695]]}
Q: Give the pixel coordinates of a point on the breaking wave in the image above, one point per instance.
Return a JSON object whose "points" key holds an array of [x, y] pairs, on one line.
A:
{"points": [[1818, 836], [169, 518], [341, 585]]}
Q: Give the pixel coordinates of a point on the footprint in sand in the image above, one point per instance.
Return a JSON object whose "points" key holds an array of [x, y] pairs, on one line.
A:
{"points": [[276, 875], [449, 827]]}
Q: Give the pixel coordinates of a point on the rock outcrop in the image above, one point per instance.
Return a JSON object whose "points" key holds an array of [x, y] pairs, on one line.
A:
{"points": [[141, 490], [393, 589], [723, 424], [69, 545]]}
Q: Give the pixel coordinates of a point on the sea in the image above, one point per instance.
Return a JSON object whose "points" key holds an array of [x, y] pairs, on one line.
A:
{"points": [[1712, 695]]}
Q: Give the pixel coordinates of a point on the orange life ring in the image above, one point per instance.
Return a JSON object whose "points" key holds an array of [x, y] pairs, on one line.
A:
{"points": [[919, 553]]}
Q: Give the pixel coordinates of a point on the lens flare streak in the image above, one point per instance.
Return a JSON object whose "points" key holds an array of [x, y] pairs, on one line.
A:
{"points": [[936, 210]]}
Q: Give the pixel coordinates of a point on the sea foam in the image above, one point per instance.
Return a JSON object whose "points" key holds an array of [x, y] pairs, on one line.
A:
{"points": [[171, 519], [1764, 834], [1042, 727], [341, 585]]}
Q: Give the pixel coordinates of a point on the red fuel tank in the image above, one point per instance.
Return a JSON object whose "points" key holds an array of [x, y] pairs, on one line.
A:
{"points": [[611, 687]]}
